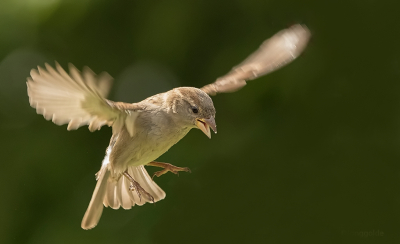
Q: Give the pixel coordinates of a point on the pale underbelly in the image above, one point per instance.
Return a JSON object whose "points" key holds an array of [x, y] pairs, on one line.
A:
{"points": [[149, 149]]}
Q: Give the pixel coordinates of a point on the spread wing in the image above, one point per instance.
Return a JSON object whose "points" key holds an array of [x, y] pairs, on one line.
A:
{"points": [[279, 50], [78, 99]]}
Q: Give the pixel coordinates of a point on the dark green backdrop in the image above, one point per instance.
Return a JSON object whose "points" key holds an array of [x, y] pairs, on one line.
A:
{"points": [[308, 154]]}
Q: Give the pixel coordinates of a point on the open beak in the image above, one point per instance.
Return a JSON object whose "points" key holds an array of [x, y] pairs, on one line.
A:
{"points": [[205, 125]]}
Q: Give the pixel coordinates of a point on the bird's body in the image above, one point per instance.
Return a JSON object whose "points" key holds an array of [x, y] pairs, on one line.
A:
{"points": [[155, 132], [144, 131], [157, 127], [128, 154]]}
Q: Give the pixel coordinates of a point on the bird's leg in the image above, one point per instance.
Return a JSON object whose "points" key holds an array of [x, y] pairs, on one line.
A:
{"points": [[135, 186], [167, 167]]}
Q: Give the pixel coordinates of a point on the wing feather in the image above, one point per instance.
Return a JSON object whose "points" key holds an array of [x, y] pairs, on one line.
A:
{"points": [[78, 99], [275, 52]]}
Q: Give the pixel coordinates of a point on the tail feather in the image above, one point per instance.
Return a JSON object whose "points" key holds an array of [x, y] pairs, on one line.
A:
{"points": [[116, 194], [95, 208], [111, 197], [140, 174], [124, 193]]}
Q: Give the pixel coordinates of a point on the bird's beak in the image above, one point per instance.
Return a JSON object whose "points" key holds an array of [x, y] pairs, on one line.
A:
{"points": [[205, 125]]}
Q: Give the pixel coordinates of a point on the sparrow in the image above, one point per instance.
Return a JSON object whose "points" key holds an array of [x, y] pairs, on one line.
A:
{"points": [[143, 131]]}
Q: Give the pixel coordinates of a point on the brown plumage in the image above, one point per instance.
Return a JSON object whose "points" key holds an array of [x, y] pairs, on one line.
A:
{"points": [[145, 130]]}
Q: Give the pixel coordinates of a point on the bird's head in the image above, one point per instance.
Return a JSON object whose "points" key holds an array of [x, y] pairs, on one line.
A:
{"points": [[194, 108]]}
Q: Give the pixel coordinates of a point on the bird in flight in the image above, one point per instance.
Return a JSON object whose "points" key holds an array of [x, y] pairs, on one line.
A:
{"points": [[143, 131]]}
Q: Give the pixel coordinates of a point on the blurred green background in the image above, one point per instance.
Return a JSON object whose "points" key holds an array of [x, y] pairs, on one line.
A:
{"points": [[307, 154]]}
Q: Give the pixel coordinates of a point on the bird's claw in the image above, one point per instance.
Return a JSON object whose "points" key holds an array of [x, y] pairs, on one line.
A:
{"points": [[135, 186], [171, 168]]}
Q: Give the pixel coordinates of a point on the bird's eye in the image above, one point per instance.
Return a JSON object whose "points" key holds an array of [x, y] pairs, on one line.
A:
{"points": [[195, 110]]}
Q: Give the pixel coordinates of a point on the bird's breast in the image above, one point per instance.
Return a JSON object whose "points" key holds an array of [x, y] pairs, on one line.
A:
{"points": [[152, 138]]}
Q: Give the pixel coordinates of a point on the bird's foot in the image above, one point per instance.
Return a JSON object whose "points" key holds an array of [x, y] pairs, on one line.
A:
{"points": [[168, 167], [135, 186]]}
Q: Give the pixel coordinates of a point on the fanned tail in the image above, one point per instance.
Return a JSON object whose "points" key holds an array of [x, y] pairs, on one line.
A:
{"points": [[116, 193]]}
